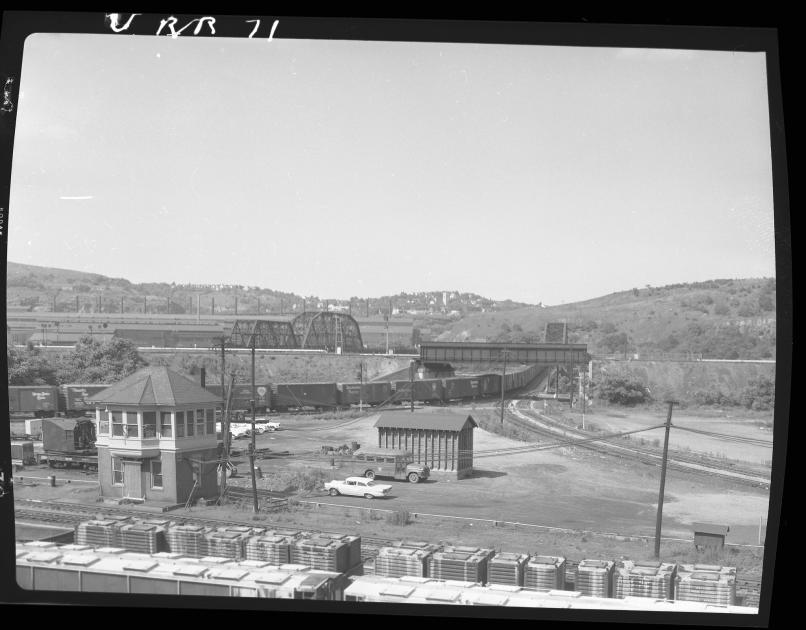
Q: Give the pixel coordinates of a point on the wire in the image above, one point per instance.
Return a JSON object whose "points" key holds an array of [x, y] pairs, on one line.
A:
{"points": [[731, 438]]}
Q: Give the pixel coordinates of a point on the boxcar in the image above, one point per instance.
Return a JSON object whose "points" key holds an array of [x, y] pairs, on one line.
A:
{"points": [[374, 393], [489, 384], [428, 390], [40, 400], [304, 395], [460, 388], [73, 398], [242, 394], [23, 451]]}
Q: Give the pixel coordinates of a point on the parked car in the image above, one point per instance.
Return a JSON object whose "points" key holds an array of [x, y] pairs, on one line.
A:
{"points": [[357, 487]]}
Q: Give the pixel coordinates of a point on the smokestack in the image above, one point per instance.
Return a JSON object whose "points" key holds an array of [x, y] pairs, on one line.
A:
{"points": [[203, 378]]}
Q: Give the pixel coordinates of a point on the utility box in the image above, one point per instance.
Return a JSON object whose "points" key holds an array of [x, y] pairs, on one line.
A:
{"points": [[709, 535]]}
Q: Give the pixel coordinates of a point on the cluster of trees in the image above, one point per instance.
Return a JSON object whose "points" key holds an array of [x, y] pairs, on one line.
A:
{"points": [[758, 394], [91, 361]]}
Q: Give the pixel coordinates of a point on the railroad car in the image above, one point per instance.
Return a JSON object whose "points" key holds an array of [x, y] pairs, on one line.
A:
{"points": [[40, 400], [319, 396], [427, 390], [51, 569], [372, 394], [23, 451], [242, 394], [68, 442], [73, 398], [489, 384], [460, 388]]}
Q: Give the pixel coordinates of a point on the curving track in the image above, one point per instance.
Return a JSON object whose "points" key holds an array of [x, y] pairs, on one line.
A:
{"points": [[537, 424]]}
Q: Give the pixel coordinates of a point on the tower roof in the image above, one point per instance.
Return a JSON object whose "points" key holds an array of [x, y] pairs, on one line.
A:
{"points": [[155, 386]]}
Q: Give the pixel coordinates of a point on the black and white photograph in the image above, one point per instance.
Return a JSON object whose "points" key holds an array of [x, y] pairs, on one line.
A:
{"points": [[403, 321]]}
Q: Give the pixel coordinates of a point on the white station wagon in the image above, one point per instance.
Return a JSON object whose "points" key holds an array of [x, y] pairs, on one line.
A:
{"points": [[357, 487]]}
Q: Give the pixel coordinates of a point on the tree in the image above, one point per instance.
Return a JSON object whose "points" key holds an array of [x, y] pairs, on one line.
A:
{"points": [[622, 390], [29, 367], [93, 361], [759, 394]]}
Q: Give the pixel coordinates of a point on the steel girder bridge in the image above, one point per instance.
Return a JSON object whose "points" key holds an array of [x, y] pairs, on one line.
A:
{"points": [[322, 330], [315, 330], [264, 334]]}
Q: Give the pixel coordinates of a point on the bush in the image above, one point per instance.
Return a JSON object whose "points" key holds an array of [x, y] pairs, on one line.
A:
{"points": [[759, 394], [717, 398], [398, 517], [622, 390]]}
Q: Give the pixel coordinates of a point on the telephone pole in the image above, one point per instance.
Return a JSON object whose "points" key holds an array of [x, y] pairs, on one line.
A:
{"points": [[411, 384], [663, 478], [252, 445], [503, 384]]}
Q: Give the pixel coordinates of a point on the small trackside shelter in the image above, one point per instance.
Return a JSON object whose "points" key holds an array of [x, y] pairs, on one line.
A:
{"points": [[709, 535], [156, 438], [441, 440]]}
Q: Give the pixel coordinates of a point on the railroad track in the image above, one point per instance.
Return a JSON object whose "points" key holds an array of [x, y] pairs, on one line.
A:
{"points": [[682, 462]]}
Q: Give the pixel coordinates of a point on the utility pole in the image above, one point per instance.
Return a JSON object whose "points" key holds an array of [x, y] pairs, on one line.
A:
{"points": [[212, 306], [411, 384], [145, 305], [258, 305], [361, 388], [121, 305], [252, 445], [582, 395], [198, 307], [663, 478], [503, 384], [77, 307]]}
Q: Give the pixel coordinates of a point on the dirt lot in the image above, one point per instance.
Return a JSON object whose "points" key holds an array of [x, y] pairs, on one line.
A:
{"points": [[569, 488]]}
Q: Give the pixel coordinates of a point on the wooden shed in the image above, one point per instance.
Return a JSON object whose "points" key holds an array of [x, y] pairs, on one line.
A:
{"points": [[441, 440], [709, 535]]}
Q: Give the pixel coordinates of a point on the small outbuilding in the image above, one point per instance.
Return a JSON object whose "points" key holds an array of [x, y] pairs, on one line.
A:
{"points": [[710, 535], [156, 438], [441, 440]]}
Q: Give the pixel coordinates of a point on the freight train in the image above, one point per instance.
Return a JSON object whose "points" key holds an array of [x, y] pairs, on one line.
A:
{"points": [[71, 400]]}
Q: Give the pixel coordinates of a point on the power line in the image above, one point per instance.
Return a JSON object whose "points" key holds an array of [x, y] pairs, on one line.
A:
{"points": [[726, 436]]}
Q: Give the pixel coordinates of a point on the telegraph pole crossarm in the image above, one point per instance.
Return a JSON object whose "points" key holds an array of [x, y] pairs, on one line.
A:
{"points": [[663, 478]]}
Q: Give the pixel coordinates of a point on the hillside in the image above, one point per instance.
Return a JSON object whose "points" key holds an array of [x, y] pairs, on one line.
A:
{"points": [[30, 287], [720, 319]]}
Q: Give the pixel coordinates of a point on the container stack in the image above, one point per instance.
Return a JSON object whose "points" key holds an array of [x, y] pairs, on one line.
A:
{"points": [[706, 583], [595, 578], [400, 561], [98, 533], [645, 579], [189, 540], [507, 568], [321, 553], [465, 564], [227, 544], [142, 537], [353, 544], [269, 548], [545, 573]]}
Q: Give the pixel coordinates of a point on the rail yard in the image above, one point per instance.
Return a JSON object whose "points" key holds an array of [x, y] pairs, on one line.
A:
{"points": [[580, 494]]}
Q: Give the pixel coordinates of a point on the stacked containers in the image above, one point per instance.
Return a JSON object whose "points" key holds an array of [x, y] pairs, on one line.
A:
{"points": [[269, 548], [400, 561], [321, 553], [189, 540], [98, 533], [507, 568], [545, 573], [353, 545], [465, 564], [595, 578], [706, 583], [645, 579], [142, 537]]}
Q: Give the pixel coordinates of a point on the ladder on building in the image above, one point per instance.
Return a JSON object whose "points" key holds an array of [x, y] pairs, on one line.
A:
{"points": [[190, 496]]}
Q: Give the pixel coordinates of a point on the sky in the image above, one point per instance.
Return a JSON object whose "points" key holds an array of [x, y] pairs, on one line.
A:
{"points": [[356, 168]]}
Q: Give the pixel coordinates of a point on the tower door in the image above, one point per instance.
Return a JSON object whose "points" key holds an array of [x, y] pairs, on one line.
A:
{"points": [[132, 479]]}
